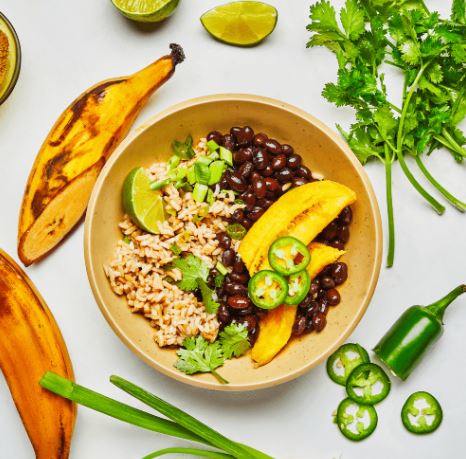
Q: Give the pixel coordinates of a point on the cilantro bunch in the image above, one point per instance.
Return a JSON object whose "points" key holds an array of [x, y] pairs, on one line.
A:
{"points": [[430, 52], [200, 356]]}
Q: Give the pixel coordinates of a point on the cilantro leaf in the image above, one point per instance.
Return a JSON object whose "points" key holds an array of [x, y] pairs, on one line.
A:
{"points": [[410, 52], [176, 249], [199, 356], [458, 11], [219, 278], [324, 17], [192, 268], [352, 18], [234, 340], [210, 304]]}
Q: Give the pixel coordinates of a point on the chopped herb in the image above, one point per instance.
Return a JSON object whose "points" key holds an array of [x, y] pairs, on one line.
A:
{"points": [[183, 149], [174, 161], [236, 231], [202, 172], [218, 280], [210, 197], [203, 213], [191, 175], [200, 356], [216, 169], [192, 268], [126, 239], [234, 340], [204, 160], [239, 202], [200, 192], [208, 297], [175, 248], [170, 210], [159, 184], [226, 155]]}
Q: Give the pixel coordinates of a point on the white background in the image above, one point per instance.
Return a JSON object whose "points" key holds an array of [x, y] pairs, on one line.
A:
{"points": [[67, 47]]}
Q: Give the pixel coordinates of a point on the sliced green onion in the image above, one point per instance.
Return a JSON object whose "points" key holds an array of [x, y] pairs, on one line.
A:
{"points": [[180, 184], [226, 155], [86, 397], [191, 451], [185, 420], [216, 171], [174, 161], [221, 268], [202, 172], [200, 192], [204, 160], [210, 196], [212, 145], [213, 156], [175, 248], [191, 175], [126, 239], [236, 231], [158, 185]]}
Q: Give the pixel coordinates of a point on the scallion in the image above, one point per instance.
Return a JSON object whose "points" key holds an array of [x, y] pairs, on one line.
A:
{"points": [[159, 184], [226, 155], [174, 161], [212, 145], [200, 192], [191, 451], [221, 268], [202, 173], [216, 171]]}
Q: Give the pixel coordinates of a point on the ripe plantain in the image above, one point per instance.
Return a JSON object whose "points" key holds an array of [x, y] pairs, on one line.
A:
{"points": [[30, 345], [74, 152]]}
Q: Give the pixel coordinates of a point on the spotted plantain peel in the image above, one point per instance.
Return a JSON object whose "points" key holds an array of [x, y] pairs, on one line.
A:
{"points": [[76, 149]]}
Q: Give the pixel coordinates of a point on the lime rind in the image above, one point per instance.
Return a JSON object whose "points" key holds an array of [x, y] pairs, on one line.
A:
{"points": [[243, 23], [146, 10], [14, 59]]}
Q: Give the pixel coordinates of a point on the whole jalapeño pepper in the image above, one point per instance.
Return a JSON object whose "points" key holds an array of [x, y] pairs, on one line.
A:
{"points": [[403, 346]]}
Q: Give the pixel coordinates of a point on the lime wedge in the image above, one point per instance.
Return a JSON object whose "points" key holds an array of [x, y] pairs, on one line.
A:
{"points": [[146, 10], [10, 58], [241, 23], [143, 205]]}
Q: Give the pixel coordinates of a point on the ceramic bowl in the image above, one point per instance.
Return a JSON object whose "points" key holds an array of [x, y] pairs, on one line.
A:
{"points": [[323, 152]]}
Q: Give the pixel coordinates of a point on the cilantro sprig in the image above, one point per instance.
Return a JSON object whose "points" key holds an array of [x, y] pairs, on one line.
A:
{"points": [[430, 52], [192, 268], [199, 356]]}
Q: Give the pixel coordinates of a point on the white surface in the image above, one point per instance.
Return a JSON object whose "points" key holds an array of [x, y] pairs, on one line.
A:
{"points": [[68, 46]]}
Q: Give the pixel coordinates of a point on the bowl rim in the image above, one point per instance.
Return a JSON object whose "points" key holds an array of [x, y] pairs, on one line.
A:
{"points": [[374, 213]]}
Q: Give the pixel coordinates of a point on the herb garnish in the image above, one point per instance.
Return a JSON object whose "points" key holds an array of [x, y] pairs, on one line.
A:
{"points": [[192, 268], [208, 297], [431, 54]]}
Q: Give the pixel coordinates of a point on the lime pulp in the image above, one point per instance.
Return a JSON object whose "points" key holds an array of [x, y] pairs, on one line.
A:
{"points": [[244, 23], [143, 205]]}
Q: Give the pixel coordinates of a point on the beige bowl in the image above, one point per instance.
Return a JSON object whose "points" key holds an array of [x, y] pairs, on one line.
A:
{"points": [[323, 151]]}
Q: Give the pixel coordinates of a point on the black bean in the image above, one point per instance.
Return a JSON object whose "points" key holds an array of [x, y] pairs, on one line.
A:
{"points": [[260, 139], [238, 278], [246, 223], [239, 266], [239, 302], [336, 244], [299, 181], [260, 159], [259, 188], [314, 289], [245, 136], [229, 142], [339, 272], [242, 155], [245, 311], [309, 326], [271, 184], [279, 162], [255, 176], [224, 241], [294, 161], [304, 172], [250, 321], [236, 183], [343, 234], [249, 199], [287, 149], [256, 213], [330, 231], [245, 170], [267, 203], [319, 321], [216, 136], [285, 175], [327, 282], [299, 326], [224, 185], [236, 289], [253, 334], [333, 296], [273, 147], [268, 171], [238, 215], [223, 314], [234, 131], [228, 257], [346, 216]]}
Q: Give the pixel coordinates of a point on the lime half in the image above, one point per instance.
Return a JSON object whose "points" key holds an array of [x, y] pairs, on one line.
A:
{"points": [[241, 23], [10, 58], [146, 10], [143, 205]]}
